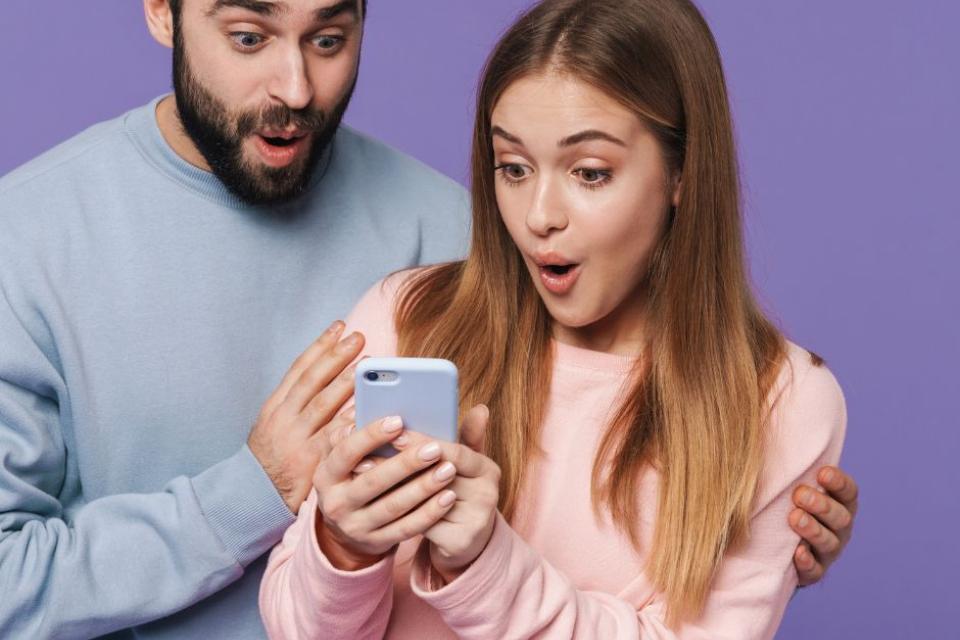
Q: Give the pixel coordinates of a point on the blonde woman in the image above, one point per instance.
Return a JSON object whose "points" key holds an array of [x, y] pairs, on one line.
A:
{"points": [[638, 425]]}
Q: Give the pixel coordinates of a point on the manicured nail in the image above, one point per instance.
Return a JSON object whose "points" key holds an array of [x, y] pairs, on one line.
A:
{"points": [[447, 498], [445, 472], [401, 440], [803, 522], [392, 424], [430, 451], [364, 466]]}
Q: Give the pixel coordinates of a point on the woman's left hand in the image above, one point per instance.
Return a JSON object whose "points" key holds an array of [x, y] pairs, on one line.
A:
{"points": [[463, 533]]}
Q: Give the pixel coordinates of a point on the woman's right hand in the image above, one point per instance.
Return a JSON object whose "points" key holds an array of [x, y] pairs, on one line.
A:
{"points": [[362, 517]]}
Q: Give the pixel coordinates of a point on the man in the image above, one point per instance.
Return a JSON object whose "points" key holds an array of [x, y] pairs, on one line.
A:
{"points": [[158, 272]]}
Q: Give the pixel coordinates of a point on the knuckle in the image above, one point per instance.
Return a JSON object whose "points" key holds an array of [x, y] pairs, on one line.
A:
{"points": [[393, 505]]}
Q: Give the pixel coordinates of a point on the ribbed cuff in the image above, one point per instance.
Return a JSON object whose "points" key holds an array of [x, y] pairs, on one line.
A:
{"points": [[242, 505]]}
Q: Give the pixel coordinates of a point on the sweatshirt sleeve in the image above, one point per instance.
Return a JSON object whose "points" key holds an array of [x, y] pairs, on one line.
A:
{"points": [[302, 595], [86, 570], [510, 591]]}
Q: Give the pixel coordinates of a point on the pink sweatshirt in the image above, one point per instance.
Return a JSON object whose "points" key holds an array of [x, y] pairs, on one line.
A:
{"points": [[556, 572]]}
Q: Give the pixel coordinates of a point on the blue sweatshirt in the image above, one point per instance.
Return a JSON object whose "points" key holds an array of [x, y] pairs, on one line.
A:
{"points": [[145, 316]]}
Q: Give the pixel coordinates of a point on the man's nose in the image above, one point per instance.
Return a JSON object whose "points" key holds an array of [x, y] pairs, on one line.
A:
{"points": [[289, 83]]}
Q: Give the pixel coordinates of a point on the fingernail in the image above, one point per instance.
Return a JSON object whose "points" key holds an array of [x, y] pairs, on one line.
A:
{"points": [[828, 476], [336, 327], [348, 343], [430, 451], [401, 440], [445, 472], [447, 498], [364, 466], [392, 424], [811, 499], [803, 522]]}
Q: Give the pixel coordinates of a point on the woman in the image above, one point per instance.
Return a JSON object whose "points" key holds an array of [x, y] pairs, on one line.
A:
{"points": [[646, 423]]}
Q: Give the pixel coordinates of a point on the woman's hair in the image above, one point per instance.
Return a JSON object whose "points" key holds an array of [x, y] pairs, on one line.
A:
{"points": [[696, 407]]}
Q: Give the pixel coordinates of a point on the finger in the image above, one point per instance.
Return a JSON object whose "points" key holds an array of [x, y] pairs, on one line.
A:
{"points": [[809, 570], [331, 399], [416, 522], [322, 370], [469, 463], [333, 432], [828, 511], [322, 344], [384, 477], [348, 453], [405, 498], [368, 463], [823, 542], [841, 486], [473, 431]]}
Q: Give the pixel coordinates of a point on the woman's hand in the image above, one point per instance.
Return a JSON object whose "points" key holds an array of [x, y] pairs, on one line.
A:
{"points": [[824, 519], [364, 516], [462, 533]]}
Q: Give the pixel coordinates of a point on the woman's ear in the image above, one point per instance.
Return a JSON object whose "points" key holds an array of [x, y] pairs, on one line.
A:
{"points": [[676, 183], [159, 21]]}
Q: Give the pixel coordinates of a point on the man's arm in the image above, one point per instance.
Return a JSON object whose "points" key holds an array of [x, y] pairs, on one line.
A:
{"points": [[824, 520], [124, 560]]}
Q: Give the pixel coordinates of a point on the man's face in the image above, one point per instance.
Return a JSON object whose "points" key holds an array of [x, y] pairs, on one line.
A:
{"points": [[261, 87]]}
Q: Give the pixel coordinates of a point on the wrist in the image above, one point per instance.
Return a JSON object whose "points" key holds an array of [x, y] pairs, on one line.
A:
{"points": [[341, 556]]}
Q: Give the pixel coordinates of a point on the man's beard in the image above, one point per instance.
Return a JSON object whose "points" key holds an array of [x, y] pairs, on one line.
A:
{"points": [[219, 135]]}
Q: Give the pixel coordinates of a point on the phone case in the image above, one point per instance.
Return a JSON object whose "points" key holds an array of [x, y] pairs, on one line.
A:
{"points": [[422, 391]]}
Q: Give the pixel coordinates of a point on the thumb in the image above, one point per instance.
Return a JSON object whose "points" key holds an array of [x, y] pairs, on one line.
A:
{"points": [[473, 431]]}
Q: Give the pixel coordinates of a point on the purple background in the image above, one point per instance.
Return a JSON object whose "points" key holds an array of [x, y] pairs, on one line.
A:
{"points": [[846, 116]]}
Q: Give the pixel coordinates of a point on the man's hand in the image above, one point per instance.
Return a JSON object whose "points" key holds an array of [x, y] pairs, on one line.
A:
{"points": [[824, 520], [289, 437]]}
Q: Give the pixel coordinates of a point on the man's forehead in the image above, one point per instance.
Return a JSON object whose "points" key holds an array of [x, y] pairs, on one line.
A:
{"points": [[322, 9]]}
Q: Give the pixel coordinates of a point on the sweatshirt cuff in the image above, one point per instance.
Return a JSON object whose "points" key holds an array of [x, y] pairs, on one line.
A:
{"points": [[242, 505], [489, 569]]}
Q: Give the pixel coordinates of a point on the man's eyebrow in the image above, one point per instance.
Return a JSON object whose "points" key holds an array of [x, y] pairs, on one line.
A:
{"points": [[261, 7], [509, 137], [331, 12], [590, 134]]}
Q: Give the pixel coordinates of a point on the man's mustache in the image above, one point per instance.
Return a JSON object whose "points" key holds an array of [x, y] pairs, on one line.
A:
{"points": [[280, 116]]}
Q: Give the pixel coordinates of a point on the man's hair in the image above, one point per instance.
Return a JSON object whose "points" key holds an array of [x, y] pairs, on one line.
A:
{"points": [[176, 4]]}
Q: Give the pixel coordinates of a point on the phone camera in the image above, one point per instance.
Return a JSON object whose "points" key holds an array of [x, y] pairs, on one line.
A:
{"points": [[372, 376]]}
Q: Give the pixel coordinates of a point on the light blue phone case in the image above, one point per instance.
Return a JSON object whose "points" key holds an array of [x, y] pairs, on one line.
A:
{"points": [[422, 391]]}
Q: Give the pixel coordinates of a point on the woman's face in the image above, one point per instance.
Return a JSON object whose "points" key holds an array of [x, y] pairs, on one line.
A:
{"points": [[584, 192]]}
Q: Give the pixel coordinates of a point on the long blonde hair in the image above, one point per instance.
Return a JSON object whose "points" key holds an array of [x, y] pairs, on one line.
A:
{"points": [[695, 408]]}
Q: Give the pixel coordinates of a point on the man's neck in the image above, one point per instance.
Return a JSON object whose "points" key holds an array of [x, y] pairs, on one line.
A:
{"points": [[172, 131]]}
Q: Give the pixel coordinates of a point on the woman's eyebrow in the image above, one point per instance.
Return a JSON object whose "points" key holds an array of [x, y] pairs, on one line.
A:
{"points": [[590, 134], [509, 137]]}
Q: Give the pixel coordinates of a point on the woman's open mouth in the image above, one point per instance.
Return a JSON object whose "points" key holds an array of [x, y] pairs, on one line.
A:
{"points": [[559, 278]]}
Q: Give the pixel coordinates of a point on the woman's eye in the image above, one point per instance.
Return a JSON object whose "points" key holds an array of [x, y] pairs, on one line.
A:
{"points": [[594, 177], [246, 40], [328, 44], [512, 172]]}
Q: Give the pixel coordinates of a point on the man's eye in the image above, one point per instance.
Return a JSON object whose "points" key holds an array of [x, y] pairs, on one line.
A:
{"points": [[328, 43], [246, 40]]}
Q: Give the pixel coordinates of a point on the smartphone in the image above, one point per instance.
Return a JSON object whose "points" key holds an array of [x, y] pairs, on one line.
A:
{"points": [[422, 391]]}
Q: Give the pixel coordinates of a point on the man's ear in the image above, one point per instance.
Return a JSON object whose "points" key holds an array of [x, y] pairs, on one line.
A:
{"points": [[159, 21]]}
